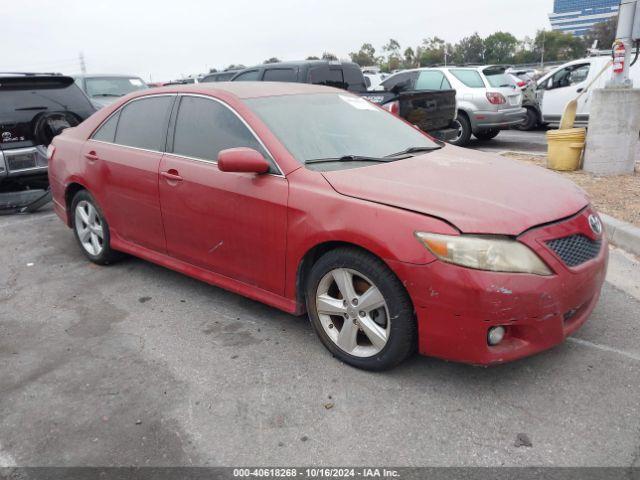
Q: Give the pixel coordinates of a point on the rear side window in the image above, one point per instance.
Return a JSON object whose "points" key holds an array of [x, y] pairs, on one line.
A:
{"points": [[280, 75], [331, 77], [107, 131], [248, 76], [143, 123], [470, 78], [432, 80], [205, 127], [354, 79]]}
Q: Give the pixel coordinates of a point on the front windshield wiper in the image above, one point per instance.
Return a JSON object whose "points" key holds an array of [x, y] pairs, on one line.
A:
{"points": [[412, 150], [108, 95], [347, 158]]}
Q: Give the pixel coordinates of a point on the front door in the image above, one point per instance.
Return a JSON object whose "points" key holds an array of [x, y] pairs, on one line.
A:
{"points": [[233, 224], [563, 86]]}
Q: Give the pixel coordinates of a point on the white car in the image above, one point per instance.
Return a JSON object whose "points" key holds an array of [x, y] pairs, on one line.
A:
{"points": [[373, 80], [565, 83]]}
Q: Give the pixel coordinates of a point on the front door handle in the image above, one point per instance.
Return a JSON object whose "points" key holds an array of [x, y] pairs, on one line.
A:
{"points": [[91, 156], [172, 175], [580, 90]]}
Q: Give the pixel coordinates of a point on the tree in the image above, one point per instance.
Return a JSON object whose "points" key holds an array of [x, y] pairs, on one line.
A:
{"points": [[469, 50], [558, 46], [233, 66], [394, 59], [431, 52], [213, 70], [409, 58], [365, 57], [329, 56], [313, 57], [604, 33], [272, 60], [500, 47]]}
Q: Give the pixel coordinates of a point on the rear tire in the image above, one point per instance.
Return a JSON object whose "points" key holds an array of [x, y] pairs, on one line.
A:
{"points": [[372, 325], [531, 121], [91, 229], [464, 131], [485, 135]]}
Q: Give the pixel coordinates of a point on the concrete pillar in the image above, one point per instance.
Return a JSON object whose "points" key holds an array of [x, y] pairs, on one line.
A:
{"points": [[612, 137]]}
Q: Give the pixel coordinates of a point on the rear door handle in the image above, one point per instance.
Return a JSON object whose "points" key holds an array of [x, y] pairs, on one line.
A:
{"points": [[172, 175], [91, 156]]}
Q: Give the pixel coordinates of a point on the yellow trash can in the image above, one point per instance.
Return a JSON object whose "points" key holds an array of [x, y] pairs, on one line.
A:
{"points": [[565, 148]]}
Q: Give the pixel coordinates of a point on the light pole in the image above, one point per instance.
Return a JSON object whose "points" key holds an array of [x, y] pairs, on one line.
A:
{"points": [[627, 35]]}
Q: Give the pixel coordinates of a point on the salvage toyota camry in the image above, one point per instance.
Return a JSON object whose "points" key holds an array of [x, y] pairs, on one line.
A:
{"points": [[313, 200]]}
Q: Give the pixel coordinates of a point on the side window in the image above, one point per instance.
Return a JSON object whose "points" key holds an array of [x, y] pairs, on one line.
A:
{"points": [[205, 127], [143, 123], [470, 78], [569, 76], [280, 75], [356, 82], [445, 84], [430, 80], [331, 77], [107, 131], [249, 76]]}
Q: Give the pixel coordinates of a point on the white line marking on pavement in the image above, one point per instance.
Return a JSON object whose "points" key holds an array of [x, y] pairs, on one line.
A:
{"points": [[29, 220], [604, 348]]}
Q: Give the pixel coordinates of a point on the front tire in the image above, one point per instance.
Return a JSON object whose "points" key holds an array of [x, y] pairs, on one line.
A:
{"points": [[91, 229], [360, 310], [531, 121]]}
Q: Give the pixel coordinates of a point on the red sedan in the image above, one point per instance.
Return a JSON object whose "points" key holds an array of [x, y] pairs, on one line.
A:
{"points": [[313, 200]]}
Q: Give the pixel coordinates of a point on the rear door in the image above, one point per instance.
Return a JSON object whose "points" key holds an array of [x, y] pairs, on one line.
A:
{"points": [[121, 164], [233, 224]]}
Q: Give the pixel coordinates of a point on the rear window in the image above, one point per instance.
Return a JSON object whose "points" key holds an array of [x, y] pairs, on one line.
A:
{"points": [[113, 86], [470, 78], [280, 75], [42, 94], [219, 77], [497, 78]]}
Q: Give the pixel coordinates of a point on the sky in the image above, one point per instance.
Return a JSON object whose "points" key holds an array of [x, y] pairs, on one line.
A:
{"points": [[159, 40]]}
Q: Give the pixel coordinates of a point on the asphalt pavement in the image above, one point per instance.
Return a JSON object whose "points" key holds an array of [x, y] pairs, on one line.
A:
{"points": [[133, 364], [533, 142]]}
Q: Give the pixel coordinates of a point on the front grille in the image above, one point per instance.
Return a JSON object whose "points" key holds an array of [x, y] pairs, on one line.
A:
{"points": [[575, 249]]}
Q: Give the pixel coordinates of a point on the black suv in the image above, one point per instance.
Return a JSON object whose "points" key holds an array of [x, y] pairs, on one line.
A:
{"points": [[33, 109], [344, 75]]}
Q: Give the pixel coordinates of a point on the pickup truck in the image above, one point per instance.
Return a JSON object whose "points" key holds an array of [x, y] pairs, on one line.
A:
{"points": [[432, 111]]}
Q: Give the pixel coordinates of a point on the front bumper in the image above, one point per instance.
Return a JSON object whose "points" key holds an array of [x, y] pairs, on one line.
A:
{"points": [[456, 306], [498, 119]]}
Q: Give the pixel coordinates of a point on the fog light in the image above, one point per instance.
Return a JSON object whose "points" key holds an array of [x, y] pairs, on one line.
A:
{"points": [[495, 335]]}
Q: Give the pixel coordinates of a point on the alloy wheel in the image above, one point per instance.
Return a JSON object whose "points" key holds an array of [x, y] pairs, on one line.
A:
{"points": [[89, 228], [353, 312]]}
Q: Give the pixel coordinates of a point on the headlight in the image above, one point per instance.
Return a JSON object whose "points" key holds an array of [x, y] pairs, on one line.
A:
{"points": [[497, 254]]}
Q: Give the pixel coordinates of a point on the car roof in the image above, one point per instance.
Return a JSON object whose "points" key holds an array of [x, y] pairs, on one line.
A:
{"points": [[104, 75], [245, 90]]}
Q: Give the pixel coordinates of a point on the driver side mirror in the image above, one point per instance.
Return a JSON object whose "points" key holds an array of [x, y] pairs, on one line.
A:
{"points": [[243, 160]]}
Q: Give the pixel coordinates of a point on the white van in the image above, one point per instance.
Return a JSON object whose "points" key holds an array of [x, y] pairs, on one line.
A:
{"points": [[564, 83]]}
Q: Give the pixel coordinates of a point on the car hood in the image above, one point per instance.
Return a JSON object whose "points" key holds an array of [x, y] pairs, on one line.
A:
{"points": [[476, 192]]}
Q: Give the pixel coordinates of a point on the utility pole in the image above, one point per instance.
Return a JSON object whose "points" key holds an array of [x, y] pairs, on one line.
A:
{"points": [[544, 39], [614, 112], [627, 35], [83, 66]]}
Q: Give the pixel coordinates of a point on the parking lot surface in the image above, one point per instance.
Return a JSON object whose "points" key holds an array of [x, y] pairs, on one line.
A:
{"points": [[133, 364], [533, 142]]}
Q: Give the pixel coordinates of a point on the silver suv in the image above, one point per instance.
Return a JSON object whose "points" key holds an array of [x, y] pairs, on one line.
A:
{"points": [[488, 101]]}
